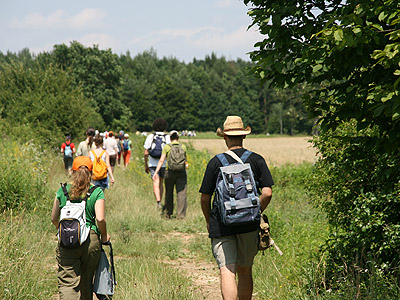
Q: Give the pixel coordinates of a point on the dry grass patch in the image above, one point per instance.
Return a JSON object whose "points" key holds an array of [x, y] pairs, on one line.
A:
{"points": [[276, 151]]}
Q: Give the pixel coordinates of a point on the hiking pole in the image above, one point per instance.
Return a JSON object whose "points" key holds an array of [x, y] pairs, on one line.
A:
{"points": [[276, 247]]}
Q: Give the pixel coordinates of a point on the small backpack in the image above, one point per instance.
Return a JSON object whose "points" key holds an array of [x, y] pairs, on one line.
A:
{"points": [[99, 167], [176, 158], [157, 145], [126, 145], [236, 194], [73, 231], [68, 150]]}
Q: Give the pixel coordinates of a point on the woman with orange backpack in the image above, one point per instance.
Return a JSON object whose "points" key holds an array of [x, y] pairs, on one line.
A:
{"points": [[101, 164]]}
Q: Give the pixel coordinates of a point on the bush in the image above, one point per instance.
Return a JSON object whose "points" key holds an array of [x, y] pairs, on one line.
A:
{"points": [[358, 187], [23, 175]]}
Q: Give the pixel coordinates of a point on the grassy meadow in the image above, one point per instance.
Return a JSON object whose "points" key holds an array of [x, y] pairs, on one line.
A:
{"points": [[158, 258]]}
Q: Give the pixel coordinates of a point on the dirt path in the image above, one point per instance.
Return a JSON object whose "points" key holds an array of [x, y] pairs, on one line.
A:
{"points": [[204, 275]]}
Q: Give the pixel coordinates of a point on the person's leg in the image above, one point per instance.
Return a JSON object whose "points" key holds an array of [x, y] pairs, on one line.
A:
{"points": [[66, 165], [229, 289], [156, 185], [127, 157], [247, 250], [225, 253], [89, 265], [69, 272], [169, 193], [245, 282], [181, 187]]}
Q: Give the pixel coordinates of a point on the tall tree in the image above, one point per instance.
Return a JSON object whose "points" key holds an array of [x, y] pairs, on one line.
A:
{"points": [[98, 72], [347, 51]]}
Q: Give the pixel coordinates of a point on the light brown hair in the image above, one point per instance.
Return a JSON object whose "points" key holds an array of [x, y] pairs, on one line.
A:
{"points": [[80, 182]]}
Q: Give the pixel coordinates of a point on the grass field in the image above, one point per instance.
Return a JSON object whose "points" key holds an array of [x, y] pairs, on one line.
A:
{"points": [[276, 151], [167, 259]]}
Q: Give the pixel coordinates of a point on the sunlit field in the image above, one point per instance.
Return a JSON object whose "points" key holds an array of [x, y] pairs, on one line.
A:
{"points": [[276, 151]]}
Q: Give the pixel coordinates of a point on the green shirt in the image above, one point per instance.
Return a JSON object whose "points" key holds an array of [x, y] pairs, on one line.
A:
{"points": [[90, 213], [167, 149]]}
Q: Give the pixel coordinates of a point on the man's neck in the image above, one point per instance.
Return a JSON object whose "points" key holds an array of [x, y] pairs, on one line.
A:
{"points": [[235, 147]]}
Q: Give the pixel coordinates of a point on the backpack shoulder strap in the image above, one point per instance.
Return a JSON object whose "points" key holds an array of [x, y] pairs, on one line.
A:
{"points": [[64, 188], [245, 155], [94, 154], [221, 157], [90, 191], [102, 153], [234, 156]]}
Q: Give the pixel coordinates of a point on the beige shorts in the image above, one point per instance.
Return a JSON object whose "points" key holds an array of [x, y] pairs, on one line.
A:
{"points": [[239, 249]]}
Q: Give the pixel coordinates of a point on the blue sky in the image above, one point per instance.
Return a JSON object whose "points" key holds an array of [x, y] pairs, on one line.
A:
{"points": [[182, 29]]}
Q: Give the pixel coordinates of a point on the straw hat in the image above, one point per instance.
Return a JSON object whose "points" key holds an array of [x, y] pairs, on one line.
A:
{"points": [[80, 161], [233, 125]]}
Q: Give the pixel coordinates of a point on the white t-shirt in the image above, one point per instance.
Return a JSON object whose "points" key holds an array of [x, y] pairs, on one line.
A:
{"points": [[153, 162], [111, 146]]}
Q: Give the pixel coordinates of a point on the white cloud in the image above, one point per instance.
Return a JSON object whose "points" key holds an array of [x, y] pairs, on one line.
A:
{"points": [[88, 17], [104, 41], [208, 38], [224, 3], [217, 40]]}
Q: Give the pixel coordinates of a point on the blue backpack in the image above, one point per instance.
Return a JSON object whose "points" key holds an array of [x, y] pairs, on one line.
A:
{"points": [[157, 145], [236, 194], [68, 150], [126, 145]]}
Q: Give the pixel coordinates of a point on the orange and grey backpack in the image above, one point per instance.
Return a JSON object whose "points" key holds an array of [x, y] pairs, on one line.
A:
{"points": [[99, 167]]}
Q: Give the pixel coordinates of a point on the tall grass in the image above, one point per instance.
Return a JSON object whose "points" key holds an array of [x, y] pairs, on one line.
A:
{"points": [[143, 242]]}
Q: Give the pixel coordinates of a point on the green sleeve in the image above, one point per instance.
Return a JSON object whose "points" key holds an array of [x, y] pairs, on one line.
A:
{"points": [[166, 149]]}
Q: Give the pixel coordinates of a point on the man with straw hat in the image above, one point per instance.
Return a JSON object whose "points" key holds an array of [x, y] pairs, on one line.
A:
{"points": [[234, 247]]}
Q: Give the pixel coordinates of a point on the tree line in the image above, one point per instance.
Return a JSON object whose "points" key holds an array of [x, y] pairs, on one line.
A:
{"points": [[72, 86]]}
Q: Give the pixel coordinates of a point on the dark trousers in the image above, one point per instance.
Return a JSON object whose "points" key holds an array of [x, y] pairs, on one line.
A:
{"points": [[179, 180]]}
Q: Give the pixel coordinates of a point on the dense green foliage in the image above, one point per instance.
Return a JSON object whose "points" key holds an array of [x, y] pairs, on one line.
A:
{"points": [[130, 92], [347, 51], [43, 101], [23, 175]]}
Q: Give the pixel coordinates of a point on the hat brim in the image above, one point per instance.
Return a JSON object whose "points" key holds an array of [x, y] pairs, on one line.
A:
{"points": [[245, 131]]}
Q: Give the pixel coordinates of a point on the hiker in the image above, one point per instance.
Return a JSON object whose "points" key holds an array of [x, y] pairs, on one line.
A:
{"points": [[153, 147], [120, 139], [76, 266], [175, 176], [111, 146], [126, 147], [101, 156], [68, 150], [87, 145], [234, 247]]}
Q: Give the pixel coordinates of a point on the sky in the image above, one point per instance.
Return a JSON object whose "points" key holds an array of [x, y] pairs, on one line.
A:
{"points": [[184, 29]]}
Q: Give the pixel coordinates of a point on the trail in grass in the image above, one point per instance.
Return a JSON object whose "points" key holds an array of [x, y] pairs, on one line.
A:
{"points": [[204, 275]]}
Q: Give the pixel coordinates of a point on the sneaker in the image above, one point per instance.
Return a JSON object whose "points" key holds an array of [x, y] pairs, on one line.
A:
{"points": [[159, 205]]}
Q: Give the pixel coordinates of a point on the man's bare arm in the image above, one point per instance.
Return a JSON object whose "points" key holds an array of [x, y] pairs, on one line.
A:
{"points": [[265, 198]]}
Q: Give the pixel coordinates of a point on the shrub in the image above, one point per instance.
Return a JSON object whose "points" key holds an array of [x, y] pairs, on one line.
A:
{"points": [[22, 175], [358, 186]]}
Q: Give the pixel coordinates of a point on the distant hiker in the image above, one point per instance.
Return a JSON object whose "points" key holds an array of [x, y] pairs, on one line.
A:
{"points": [[235, 240], [120, 150], [111, 146], [153, 146], [126, 147], [87, 145], [68, 150], [175, 176], [102, 171], [77, 265]]}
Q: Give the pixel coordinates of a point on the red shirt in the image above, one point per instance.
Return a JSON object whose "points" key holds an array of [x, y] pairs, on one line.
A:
{"points": [[65, 144]]}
